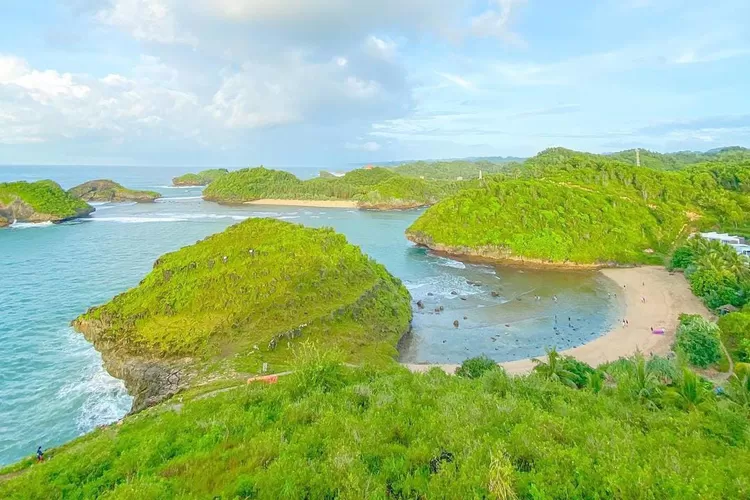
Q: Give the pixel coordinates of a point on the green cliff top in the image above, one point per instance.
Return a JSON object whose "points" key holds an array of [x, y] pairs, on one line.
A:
{"points": [[201, 178], [263, 283], [39, 201], [107, 190]]}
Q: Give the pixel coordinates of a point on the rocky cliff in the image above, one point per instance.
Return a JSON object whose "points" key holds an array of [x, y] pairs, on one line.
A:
{"points": [[105, 190], [42, 201]]}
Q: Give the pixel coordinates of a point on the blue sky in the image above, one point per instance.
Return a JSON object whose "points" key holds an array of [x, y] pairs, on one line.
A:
{"points": [[328, 82]]}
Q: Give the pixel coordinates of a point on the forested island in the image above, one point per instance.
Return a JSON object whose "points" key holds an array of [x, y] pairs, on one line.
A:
{"points": [[203, 178], [242, 298], [105, 190], [375, 188], [567, 208], [36, 202]]}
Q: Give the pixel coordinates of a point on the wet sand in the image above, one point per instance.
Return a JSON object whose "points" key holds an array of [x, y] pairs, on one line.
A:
{"points": [[666, 297], [305, 203]]}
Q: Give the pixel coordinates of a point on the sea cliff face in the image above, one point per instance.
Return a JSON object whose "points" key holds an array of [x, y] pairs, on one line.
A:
{"points": [[109, 191], [244, 299]]}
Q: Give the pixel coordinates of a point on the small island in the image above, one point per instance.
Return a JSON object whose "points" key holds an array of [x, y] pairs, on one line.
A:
{"points": [[242, 299], [203, 178], [105, 190], [373, 188], [39, 202]]}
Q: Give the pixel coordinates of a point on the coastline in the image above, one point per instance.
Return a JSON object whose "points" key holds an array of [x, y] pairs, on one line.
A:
{"points": [[667, 296], [305, 203]]}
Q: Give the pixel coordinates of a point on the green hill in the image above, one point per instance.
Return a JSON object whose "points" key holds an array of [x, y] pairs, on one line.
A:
{"points": [[201, 178], [110, 191], [452, 169], [375, 188], [680, 159], [567, 207], [42, 201], [242, 298], [330, 431]]}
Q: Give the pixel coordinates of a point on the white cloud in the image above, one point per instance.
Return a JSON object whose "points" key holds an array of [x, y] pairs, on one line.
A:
{"points": [[495, 22], [369, 146], [148, 20], [42, 86], [458, 80]]}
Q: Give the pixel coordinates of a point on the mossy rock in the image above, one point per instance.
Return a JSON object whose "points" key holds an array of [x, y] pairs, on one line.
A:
{"points": [[41, 201], [105, 190]]}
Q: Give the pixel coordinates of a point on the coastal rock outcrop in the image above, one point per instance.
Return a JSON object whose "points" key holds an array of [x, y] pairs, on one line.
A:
{"points": [[105, 190], [37, 202], [218, 310], [203, 178]]}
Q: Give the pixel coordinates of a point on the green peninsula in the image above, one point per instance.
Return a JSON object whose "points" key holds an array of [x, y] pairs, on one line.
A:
{"points": [[373, 188], [41, 201], [105, 190], [568, 208], [244, 297], [203, 178]]}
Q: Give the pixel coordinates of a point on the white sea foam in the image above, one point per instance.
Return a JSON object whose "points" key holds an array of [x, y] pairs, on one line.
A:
{"points": [[443, 261], [177, 187], [178, 198], [29, 225]]}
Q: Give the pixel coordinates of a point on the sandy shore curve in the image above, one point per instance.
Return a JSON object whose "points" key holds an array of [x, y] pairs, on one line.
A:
{"points": [[666, 297], [305, 203]]}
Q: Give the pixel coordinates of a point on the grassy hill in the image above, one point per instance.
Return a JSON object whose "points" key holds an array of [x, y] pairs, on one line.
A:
{"points": [[376, 188], [568, 207], [452, 169], [681, 159], [109, 191], [245, 297], [330, 431], [201, 178], [41, 201]]}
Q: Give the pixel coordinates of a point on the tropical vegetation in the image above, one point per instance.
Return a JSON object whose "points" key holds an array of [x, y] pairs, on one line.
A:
{"points": [[454, 169], [334, 431], [244, 297], [39, 201], [377, 188], [201, 178], [698, 340], [568, 207], [105, 190]]}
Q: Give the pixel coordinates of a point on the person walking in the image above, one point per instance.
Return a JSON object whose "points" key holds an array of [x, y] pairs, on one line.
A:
{"points": [[39, 455]]}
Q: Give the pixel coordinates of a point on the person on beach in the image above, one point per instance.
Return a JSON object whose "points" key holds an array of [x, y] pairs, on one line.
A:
{"points": [[643, 299], [39, 455]]}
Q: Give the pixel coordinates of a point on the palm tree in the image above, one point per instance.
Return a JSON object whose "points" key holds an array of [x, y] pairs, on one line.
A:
{"points": [[690, 393], [739, 389], [645, 380], [554, 370]]}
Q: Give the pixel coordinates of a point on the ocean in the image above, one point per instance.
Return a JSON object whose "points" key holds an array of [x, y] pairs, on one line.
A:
{"points": [[53, 387]]}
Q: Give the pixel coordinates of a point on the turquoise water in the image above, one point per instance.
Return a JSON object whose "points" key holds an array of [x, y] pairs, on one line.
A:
{"points": [[52, 385]]}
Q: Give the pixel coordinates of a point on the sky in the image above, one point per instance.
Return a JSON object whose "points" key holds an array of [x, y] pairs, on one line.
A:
{"points": [[331, 82]]}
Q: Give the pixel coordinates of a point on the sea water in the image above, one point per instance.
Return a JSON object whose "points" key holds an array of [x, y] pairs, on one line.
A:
{"points": [[53, 387]]}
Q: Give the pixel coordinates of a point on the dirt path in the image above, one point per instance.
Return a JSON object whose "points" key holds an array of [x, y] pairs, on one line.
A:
{"points": [[666, 297]]}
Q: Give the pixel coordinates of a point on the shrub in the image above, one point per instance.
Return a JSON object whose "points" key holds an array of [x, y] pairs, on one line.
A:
{"points": [[698, 340], [735, 332], [579, 369], [476, 367], [682, 258]]}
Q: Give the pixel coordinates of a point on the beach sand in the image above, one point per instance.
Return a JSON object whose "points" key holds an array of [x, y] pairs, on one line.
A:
{"points": [[667, 296], [305, 203]]}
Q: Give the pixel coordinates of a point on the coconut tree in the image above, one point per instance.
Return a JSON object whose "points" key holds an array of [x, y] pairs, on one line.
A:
{"points": [[739, 389], [554, 369], [689, 393]]}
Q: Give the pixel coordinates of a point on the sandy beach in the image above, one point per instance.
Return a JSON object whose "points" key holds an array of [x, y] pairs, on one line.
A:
{"points": [[305, 203], [666, 297]]}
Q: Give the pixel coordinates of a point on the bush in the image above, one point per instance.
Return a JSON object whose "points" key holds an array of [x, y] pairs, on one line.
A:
{"points": [[579, 369], [682, 258], [476, 367], [735, 331], [698, 340]]}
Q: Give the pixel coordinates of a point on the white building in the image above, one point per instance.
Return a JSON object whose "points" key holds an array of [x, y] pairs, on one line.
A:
{"points": [[742, 249], [724, 238]]}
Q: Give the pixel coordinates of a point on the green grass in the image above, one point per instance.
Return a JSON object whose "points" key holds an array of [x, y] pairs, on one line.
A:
{"points": [[328, 431], [280, 281], [107, 190], [201, 178], [371, 188], [44, 197], [562, 206]]}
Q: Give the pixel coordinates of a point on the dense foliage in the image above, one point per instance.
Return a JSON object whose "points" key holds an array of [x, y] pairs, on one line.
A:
{"points": [[251, 292], [681, 159], [565, 206], [716, 272], [330, 431], [698, 340], [735, 332], [370, 188], [45, 198], [452, 169], [109, 191], [201, 178]]}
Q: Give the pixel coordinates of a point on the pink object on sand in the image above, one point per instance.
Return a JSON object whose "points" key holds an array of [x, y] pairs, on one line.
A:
{"points": [[659, 331]]}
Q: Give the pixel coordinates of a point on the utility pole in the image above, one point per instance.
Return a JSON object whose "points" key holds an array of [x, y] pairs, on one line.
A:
{"points": [[637, 157], [480, 175]]}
